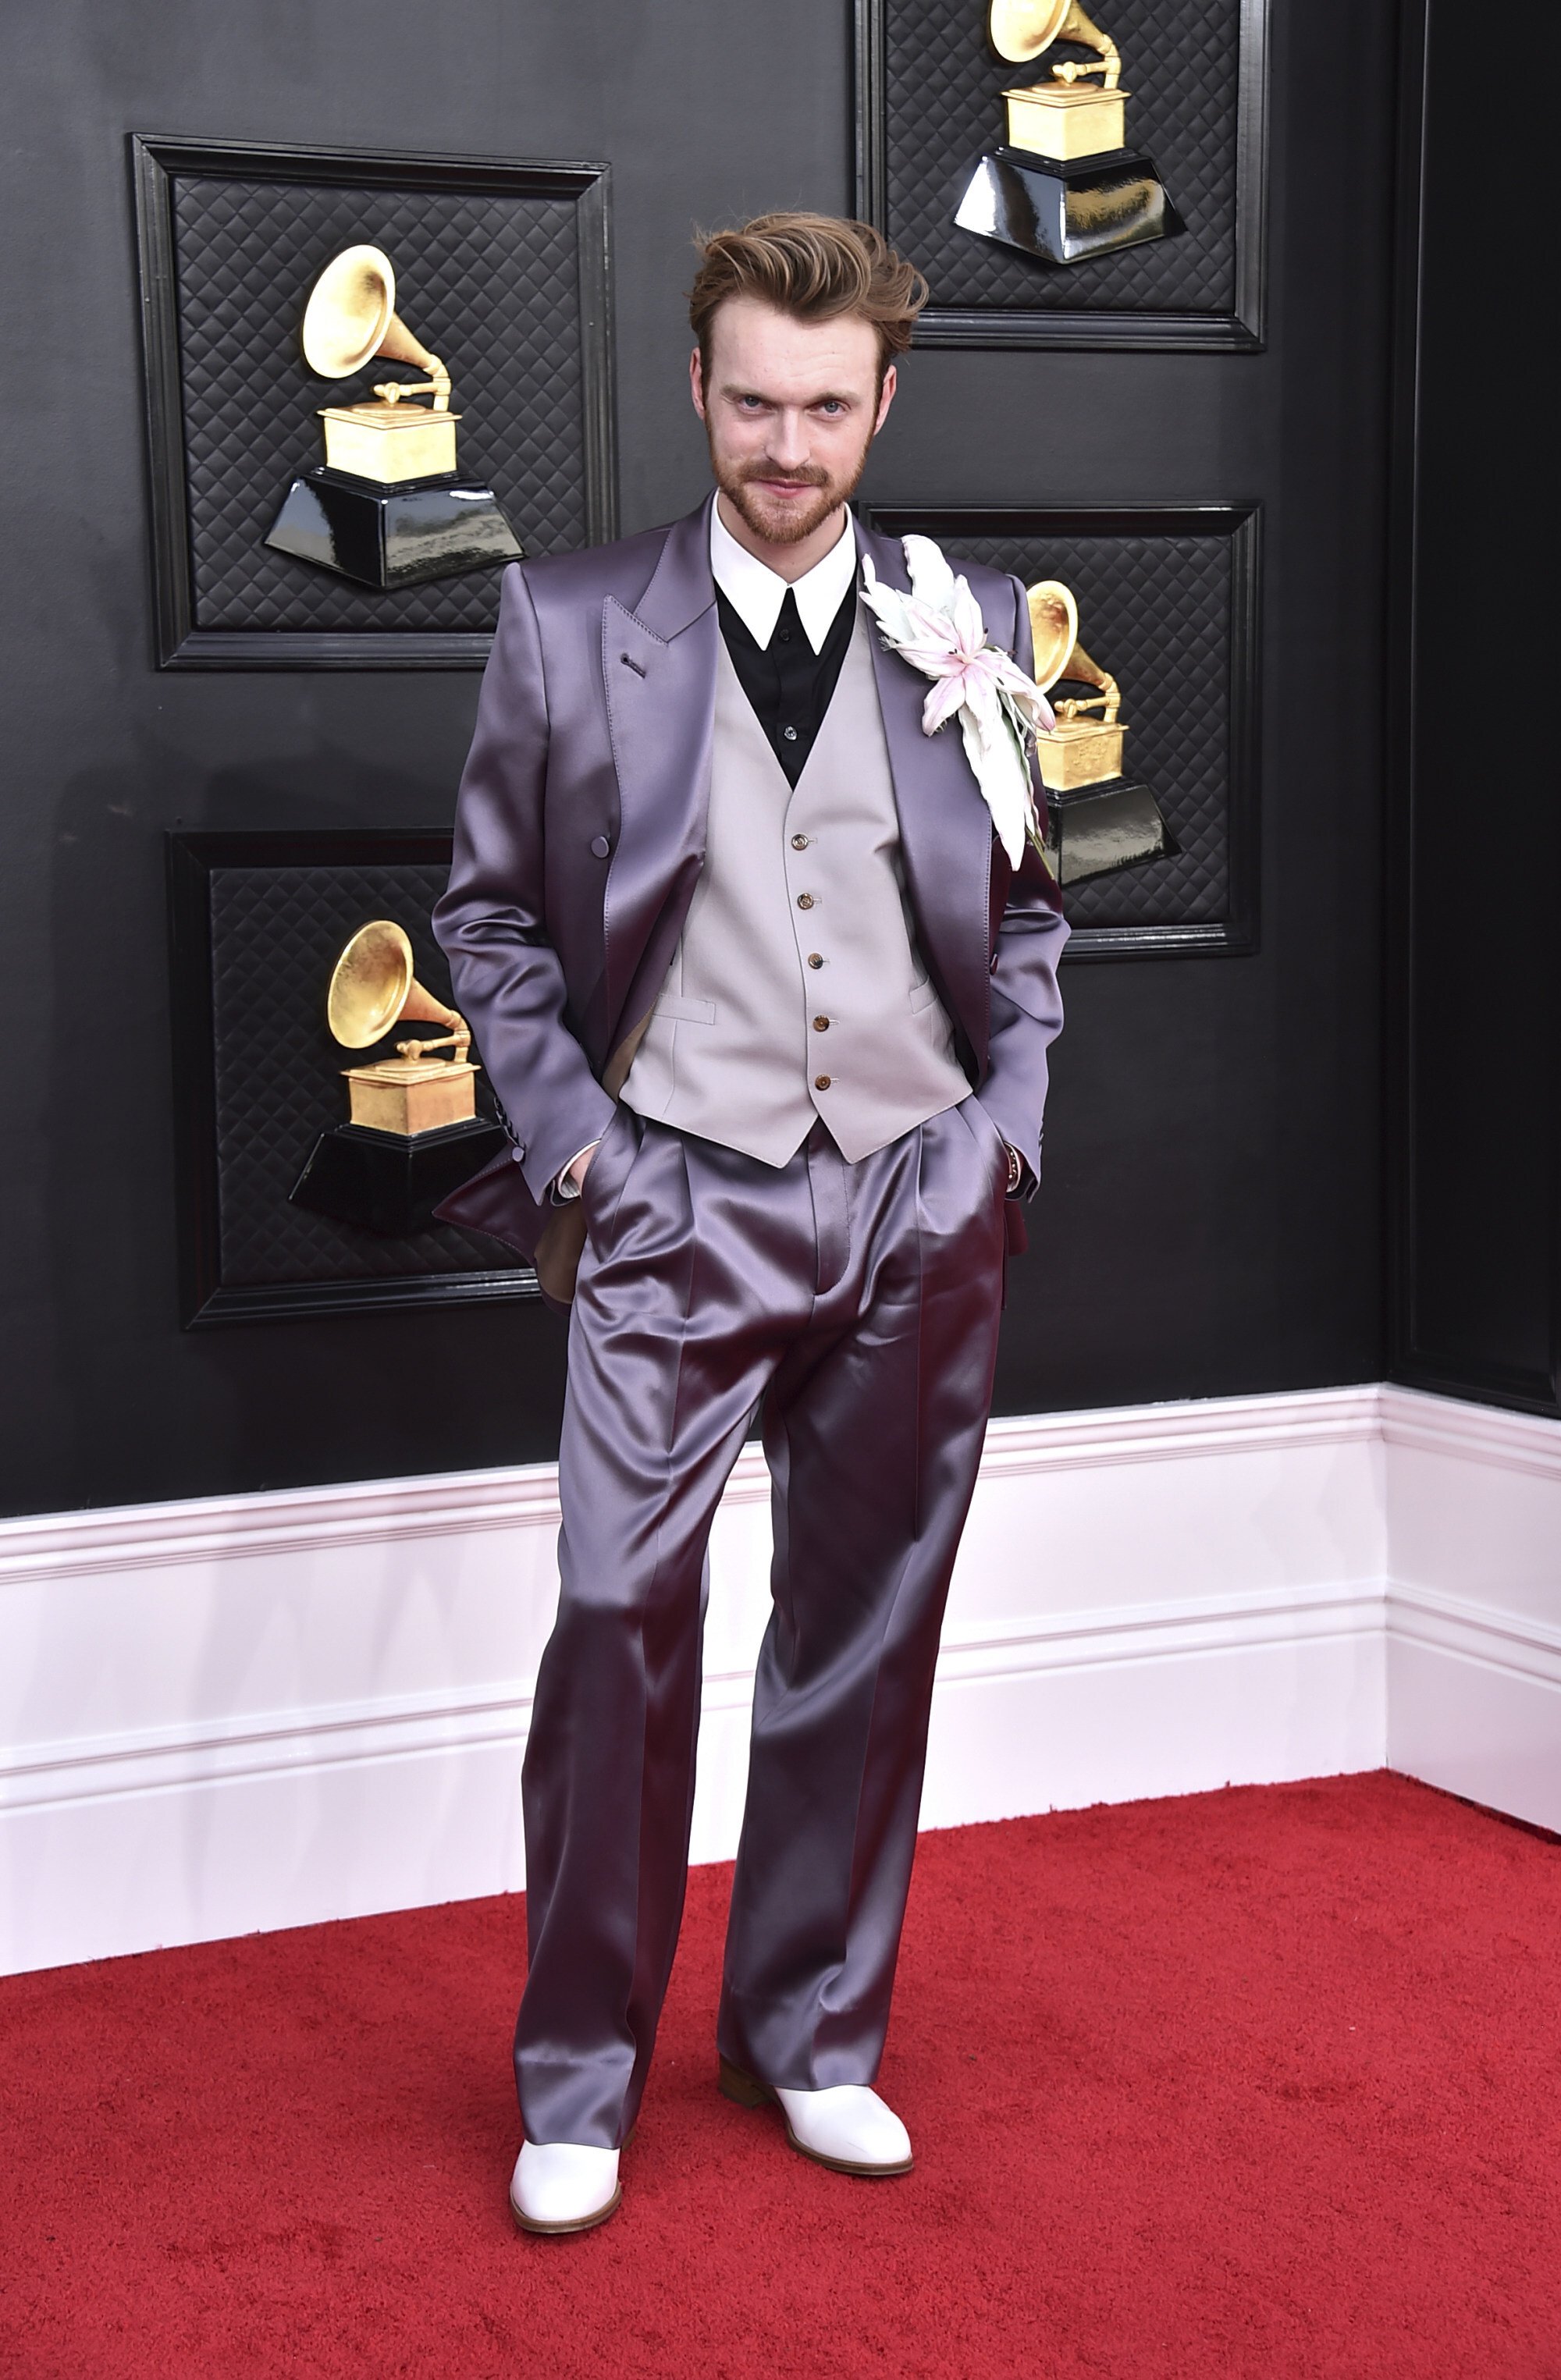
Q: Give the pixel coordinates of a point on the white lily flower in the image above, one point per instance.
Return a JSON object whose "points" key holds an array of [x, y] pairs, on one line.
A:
{"points": [[939, 630]]}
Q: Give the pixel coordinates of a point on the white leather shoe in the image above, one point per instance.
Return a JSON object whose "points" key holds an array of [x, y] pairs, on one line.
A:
{"points": [[558, 2187], [846, 2128]]}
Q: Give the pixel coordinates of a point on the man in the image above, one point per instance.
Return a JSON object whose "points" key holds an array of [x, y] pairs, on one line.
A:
{"points": [[768, 1011]]}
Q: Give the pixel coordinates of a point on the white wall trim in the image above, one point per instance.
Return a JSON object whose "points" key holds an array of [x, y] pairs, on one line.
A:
{"points": [[307, 1519], [260, 1710], [1484, 1434], [1501, 1640], [158, 1759]]}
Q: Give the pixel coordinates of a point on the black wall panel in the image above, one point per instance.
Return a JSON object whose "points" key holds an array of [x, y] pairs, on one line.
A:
{"points": [[1211, 1217], [1477, 824]]}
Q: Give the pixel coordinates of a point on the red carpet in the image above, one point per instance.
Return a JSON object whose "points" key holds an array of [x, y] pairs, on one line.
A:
{"points": [[1264, 2083]]}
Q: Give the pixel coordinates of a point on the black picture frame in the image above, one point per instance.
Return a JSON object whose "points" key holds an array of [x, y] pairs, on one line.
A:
{"points": [[1239, 332], [1234, 935], [182, 643], [209, 1300]]}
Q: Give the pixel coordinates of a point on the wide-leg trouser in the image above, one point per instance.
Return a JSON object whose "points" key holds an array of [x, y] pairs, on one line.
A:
{"points": [[862, 1302]]}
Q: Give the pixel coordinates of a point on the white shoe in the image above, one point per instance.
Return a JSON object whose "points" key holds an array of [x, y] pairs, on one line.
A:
{"points": [[848, 2128], [558, 2187]]}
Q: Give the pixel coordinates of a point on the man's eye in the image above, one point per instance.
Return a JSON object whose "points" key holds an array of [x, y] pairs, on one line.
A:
{"points": [[832, 405]]}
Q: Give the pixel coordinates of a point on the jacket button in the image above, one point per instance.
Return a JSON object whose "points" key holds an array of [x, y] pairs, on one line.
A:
{"points": [[992, 968], [804, 900], [820, 1025], [821, 1082], [600, 846]]}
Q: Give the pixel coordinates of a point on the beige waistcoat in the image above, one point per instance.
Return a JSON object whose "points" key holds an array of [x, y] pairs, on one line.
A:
{"points": [[797, 990]]}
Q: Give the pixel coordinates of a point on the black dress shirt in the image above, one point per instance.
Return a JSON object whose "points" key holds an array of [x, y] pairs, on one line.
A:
{"points": [[788, 684]]}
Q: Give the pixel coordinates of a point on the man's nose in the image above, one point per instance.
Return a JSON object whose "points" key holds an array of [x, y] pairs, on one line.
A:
{"points": [[789, 442]]}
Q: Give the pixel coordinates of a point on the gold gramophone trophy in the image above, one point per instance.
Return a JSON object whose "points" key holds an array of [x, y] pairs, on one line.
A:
{"points": [[414, 1134], [387, 506], [1065, 187], [1098, 821]]}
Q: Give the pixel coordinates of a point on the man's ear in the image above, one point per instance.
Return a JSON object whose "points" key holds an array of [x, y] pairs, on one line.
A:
{"points": [[696, 382], [886, 397]]}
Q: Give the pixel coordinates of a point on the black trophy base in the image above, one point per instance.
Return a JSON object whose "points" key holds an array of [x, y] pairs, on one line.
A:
{"points": [[1066, 211], [1101, 828], [393, 537], [386, 1182]]}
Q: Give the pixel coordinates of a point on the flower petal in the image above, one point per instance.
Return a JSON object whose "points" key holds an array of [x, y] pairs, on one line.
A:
{"points": [[969, 626], [943, 701], [931, 580]]}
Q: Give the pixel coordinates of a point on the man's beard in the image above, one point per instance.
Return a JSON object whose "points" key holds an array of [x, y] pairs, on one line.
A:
{"points": [[789, 528]]}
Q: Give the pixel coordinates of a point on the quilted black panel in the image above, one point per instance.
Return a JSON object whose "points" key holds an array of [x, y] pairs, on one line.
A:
{"points": [[1155, 611], [277, 933], [487, 281], [944, 106]]}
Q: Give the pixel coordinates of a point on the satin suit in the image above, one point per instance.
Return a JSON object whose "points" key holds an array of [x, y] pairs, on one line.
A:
{"points": [[859, 1302]]}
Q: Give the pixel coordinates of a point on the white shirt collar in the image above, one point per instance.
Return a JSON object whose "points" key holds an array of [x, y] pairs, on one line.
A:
{"points": [[756, 592]]}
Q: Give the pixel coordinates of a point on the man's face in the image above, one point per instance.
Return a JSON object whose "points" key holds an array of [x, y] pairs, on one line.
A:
{"points": [[790, 411]]}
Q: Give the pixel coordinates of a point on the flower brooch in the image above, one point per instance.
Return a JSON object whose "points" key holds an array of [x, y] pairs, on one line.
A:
{"points": [[939, 630]]}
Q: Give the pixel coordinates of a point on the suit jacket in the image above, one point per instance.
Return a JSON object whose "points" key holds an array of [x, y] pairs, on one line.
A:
{"points": [[580, 837]]}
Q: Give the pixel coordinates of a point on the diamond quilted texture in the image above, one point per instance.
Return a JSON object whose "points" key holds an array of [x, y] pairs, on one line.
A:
{"points": [[1156, 613], [276, 932], [488, 282], [943, 107]]}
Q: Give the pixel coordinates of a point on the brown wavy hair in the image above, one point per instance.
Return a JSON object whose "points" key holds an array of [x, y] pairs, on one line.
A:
{"points": [[815, 267]]}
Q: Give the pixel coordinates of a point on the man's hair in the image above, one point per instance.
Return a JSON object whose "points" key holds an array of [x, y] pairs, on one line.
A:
{"points": [[815, 267]]}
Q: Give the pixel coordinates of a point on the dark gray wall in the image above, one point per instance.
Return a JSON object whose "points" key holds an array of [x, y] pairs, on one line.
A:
{"points": [[1211, 1217]]}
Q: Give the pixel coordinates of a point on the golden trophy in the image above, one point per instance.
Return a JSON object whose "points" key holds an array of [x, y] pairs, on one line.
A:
{"points": [[387, 506], [413, 1133], [1098, 821], [1067, 186]]}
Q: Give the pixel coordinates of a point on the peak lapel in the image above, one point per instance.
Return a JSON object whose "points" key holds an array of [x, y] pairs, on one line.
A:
{"points": [[658, 669], [946, 827]]}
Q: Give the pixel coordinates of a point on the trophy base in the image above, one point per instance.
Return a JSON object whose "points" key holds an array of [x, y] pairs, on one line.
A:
{"points": [[392, 535], [384, 1181], [1064, 210], [1101, 828]]}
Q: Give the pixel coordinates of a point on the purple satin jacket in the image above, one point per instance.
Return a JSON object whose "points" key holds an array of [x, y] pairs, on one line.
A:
{"points": [[580, 837]]}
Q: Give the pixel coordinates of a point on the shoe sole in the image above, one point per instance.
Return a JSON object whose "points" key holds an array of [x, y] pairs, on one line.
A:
{"points": [[747, 2091], [562, 2231]]}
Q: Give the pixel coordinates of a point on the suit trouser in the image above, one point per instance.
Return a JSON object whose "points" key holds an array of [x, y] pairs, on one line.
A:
{"points": [[862, 1302]]}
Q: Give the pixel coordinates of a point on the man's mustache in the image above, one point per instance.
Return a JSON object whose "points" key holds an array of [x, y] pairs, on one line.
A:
{"points": [[811, 476]]}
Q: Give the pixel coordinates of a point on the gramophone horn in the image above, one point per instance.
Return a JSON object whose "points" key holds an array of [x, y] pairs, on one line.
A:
{"points": [[373, 988], [1020, 29], [352, 316], [1054, 624]]}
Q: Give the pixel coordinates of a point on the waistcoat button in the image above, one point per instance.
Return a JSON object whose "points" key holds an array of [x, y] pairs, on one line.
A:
{"points": [[820, 1025], [821, 1082], [815, 958], [804, 900], [800, 842]]}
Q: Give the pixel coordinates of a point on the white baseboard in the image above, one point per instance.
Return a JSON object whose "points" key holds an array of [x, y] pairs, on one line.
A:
{"points": [[263, 1711]]}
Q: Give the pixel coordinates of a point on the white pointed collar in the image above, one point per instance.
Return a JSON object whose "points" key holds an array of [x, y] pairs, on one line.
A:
{"points": [[756, 592]]}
